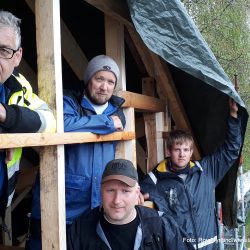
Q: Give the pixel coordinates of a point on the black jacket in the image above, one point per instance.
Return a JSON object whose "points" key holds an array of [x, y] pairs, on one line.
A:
{"points": [[155, 231]]}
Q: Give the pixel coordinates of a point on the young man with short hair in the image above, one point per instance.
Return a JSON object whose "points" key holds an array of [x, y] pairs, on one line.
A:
{"points": [[185, 189]]}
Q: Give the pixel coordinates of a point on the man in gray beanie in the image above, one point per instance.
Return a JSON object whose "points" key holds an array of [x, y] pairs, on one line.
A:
{"points": [[99, 63], [95, 110]]}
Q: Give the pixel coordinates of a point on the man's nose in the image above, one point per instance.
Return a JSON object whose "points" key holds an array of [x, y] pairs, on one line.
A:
{"points": [[117, 198], [181, 152], [104, 85]]}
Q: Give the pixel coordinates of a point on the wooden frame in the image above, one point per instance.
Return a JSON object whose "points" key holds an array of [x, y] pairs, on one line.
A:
{"points": [[156, 110]]}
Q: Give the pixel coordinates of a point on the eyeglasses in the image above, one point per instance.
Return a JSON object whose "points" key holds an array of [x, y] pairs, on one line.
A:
{"points": [[7, 53]]}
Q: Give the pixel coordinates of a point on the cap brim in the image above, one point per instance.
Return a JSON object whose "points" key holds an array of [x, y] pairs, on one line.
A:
{"points": [[129, 181]]}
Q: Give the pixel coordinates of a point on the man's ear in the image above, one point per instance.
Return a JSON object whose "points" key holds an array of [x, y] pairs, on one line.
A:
{"points": [[192, 151], [167, 152]]}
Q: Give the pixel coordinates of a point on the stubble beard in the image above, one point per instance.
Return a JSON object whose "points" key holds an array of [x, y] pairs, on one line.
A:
{"points": [[95, 100]]}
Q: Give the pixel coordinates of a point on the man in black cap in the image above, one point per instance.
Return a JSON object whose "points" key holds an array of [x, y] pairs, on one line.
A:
{"points": [[120, 223], [95, 110]]}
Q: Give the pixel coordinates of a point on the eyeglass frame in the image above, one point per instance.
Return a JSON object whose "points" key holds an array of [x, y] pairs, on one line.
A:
{"points": [[13, 52]]}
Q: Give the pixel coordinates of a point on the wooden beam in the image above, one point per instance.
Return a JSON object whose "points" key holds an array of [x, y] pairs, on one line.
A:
{"points": [[165, 81], [141, 157], [163, 77], [139, 127], [148, 86], [72, 52], [150, 132], [114, 40], [142, 102], [2, 247], [153, 127], [48, 139], [159, 118], [52, 179], [143, 51], [127, 149], [135, 54], [118, 9], [70, 49]]}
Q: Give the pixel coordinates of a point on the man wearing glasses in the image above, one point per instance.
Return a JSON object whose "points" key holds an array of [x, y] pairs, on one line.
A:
{"points": [[21, 111]]}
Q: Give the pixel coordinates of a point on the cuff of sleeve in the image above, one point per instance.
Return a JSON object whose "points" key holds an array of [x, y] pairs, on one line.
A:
{"points": [[12, 115]]}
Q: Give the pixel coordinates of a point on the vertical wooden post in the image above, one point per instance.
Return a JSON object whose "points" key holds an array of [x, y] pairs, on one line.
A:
{"points": [[114, 38], [50, 90], [114, 41], [154, 125]]}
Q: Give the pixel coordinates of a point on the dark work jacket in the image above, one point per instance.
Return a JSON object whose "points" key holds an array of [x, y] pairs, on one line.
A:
{"points": [[155, 231], [192, 202]]}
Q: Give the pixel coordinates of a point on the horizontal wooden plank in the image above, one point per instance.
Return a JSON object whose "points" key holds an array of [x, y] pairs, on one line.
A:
{"points": [[46, 139], [142, 102], [2, 247]]}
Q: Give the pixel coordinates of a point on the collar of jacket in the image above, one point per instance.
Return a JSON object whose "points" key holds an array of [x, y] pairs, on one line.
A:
{"points": [[116, 101], [162, 167], [12, 83]]}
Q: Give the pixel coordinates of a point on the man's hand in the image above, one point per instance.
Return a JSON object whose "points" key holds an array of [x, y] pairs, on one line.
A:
{"points": [[2, 113], [233, 108], [142, 198], [117, 122]]}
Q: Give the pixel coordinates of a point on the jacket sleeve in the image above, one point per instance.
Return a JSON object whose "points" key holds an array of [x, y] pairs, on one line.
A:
{"points": [[20, 120], [174, 236], [75, 122], [219, 162], [30, 115]]}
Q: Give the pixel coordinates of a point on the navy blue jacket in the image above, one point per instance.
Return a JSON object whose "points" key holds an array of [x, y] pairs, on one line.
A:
{"points": [[84, 163], [192, 202], [156, 230]]}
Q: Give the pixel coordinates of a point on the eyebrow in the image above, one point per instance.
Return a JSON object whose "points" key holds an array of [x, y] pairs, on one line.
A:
{"points": [[5, 46]]}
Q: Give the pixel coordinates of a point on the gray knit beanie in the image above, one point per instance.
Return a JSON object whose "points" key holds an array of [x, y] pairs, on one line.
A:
{"points": [[99, 63]]}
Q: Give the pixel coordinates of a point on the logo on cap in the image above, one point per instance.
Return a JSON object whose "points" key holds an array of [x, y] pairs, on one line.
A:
{"points": [[106, 67]]}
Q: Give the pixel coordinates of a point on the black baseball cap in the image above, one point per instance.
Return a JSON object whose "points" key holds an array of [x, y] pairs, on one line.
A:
{"points": [[122, 170]]}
